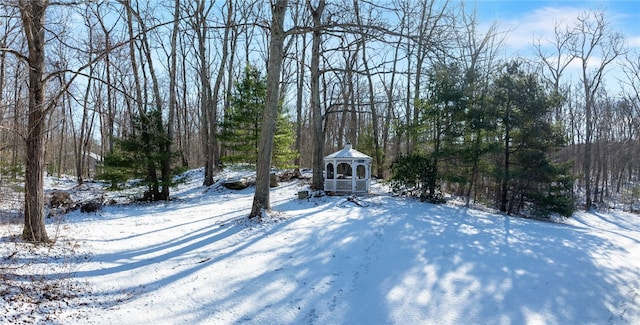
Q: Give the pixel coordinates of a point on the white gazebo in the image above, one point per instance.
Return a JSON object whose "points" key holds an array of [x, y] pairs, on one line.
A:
{"points": [[347, 171]]}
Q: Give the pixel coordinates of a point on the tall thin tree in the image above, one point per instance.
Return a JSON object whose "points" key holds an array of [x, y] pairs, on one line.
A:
{"points": [[317, 181], [261, 200], [33, 20], [593, 38]]}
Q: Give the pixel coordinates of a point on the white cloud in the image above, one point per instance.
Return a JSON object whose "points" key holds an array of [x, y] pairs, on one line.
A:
{"points": [[538, 25], [634, 42]]}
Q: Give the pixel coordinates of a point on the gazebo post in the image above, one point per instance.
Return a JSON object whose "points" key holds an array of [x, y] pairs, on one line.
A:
{"points": [[354, 173], [367, 172]]}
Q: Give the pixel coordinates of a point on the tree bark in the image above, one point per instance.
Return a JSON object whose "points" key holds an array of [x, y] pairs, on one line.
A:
{"points": [[166, 164], [207, 107], [159, 191], [300, 80], [317, 181], [270, 116], [378, 154], [79, 142], [217, 85], [33, 18]]}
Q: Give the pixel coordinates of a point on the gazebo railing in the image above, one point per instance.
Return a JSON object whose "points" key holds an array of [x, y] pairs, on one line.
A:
{"points": [[361, 185], [344, 185]]}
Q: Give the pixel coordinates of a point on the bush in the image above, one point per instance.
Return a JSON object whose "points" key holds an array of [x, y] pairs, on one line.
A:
{"points": [[117, 167], [413, 174]]}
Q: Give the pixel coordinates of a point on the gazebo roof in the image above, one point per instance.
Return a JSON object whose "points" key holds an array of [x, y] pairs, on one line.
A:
{"points": [[347, 153]]}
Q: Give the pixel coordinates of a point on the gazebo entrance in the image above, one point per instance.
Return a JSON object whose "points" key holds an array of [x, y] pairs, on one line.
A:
{"points": [[347, 171]]}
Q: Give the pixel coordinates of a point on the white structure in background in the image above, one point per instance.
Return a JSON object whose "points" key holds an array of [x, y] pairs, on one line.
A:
{"points": [[347, 171]]}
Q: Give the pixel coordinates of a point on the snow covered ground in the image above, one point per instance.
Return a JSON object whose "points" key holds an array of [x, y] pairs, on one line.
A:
{"points": [[322, 260]]}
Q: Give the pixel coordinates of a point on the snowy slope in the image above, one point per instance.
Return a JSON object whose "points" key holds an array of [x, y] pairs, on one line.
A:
{"points": [[326, 260]]}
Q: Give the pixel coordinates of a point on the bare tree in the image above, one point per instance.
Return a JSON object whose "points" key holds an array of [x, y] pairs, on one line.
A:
{"points": [[390, 89], [107, 116], [138, 35], [558, 60], [429, 34], [13, 76], [82, 139], [217, 85], [631, 70], [300, 45], [593, 38], [208, 109], [261, 199], [478, 55], [33, 20], [378, 154], [173, 67], [317, 181]]}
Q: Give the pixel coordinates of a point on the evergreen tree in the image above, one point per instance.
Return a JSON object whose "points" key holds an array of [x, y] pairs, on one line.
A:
{"points": [[440, 131], [444, 119], [528, 178], [241, 126], [477, 133], [140, 155], [118, 166], [413, 174], [507, 136], [283, 141]]}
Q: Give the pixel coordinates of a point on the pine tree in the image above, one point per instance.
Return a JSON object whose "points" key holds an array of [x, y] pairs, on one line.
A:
{"points": [[444, 116], [283, 141], [439, 126], [529, 179], [140, 154], [117, 167], [241, 127], [413, 174]]}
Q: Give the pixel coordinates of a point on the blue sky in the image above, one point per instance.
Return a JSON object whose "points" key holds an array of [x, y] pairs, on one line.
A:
{"points": [[529, 19]]}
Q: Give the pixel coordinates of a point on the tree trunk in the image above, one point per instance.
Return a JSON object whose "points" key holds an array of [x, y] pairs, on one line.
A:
{"points": [[592, 35], [270, 115], [299, 92], [166, 163], [317, 181], [206, 102], [378, 154], [474, 167], [213, 124], [504, 198], [160, 188], [64, 103], [586, 164], [33, 17], [108, 125], [80, 141], [183, 120]]}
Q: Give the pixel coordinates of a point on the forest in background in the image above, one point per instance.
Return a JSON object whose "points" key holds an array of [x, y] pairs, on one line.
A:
{"points": [[148, 88]]}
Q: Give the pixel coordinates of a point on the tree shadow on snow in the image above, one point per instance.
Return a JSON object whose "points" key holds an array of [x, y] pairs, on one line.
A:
{"points": [[400, 261], [394, 260], [464, 266]]}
